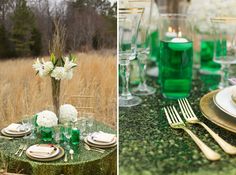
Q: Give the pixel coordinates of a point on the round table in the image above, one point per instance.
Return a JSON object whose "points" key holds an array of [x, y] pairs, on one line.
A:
{"points": [[85, 162]]}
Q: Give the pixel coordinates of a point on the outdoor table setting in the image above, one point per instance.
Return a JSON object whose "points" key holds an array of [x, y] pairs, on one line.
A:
{"points": [[183, 122], [81, 147], [61, 139]]}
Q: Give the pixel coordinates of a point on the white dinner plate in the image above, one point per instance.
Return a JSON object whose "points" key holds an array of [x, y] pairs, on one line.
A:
{"points": [[89, 138], [16, 133], [224, 101], [42, 156], [98, 146]]}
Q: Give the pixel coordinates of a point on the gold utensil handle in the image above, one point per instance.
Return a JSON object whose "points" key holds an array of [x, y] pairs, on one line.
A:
{"points": [[228, 148], [65, 159], [17, 151], [21, 153], [71, 156], [208, 152]]}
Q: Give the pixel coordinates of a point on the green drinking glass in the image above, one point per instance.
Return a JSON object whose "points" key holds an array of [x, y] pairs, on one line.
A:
{"points": [[206, 55], [176, 53], [75, 136], [47, 134]]}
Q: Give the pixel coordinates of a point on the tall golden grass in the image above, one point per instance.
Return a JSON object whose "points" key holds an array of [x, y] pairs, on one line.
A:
{"points": [[23, 93]]}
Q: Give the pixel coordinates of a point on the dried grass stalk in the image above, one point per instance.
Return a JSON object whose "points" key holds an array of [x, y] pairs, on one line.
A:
{"points": [[57, 47]]}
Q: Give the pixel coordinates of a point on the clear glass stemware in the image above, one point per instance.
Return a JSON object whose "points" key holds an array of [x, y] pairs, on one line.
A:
{"points": [[129, 20], [224, 32]]}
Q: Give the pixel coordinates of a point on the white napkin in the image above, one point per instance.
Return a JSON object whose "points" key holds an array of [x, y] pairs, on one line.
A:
{"points": [[14, 127], [103, 137], [41, 150]]}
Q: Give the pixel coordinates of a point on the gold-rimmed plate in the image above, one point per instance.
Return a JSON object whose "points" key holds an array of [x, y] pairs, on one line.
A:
{"points": [[223, 100], [98, 146], [214, 114], [3, 132], [54, 153], [90, 139], [58, 156]]}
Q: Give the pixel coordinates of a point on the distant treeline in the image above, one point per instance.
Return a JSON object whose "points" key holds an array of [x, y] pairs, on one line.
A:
{"points": [[26, 26]]}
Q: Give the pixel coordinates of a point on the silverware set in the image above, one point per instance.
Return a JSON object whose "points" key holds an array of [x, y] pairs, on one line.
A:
{"points": [[21, 150], [89, 148], [176, 122], [71, 152]]}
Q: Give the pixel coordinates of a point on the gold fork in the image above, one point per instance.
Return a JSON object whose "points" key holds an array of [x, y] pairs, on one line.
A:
{"points": [[176, 122], [20, 148], [23, 150], [190, 117]]}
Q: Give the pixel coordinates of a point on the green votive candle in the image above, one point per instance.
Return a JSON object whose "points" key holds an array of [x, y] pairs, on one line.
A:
{"points": [[176, 68], [75, 136]]}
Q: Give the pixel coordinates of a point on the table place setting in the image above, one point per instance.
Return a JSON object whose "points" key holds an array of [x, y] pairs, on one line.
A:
{"points": [[100, 140], [15, 130], [44, 152]]}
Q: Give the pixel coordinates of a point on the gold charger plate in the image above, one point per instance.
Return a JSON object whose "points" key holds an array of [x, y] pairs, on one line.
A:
{"points": [[214, 114], [60, 155]]}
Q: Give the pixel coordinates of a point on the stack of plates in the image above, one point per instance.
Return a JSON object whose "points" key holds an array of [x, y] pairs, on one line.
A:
{"points": [[219, 107], [91, 142], [10, 133], [45, 152]]}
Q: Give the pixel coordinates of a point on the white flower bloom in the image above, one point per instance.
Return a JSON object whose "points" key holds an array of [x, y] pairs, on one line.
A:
{"points": [[68, 113], [43, 67], [69, 74], [58, 73], [48, 67], [37, 65], [47, 119], [69, 64]]}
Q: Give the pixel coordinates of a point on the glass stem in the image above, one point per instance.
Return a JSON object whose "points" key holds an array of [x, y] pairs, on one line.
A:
{"points": [[224, 75], [125, 73], [142, 69]]}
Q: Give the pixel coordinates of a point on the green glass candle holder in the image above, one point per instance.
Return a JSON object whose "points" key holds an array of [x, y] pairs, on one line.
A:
{"points": [[46, 134], [75, 136]]}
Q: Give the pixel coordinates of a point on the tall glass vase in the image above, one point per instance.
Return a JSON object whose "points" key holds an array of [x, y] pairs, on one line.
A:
{"points": [[56, 95]]}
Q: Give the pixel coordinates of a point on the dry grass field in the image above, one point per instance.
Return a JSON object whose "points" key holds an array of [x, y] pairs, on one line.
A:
{"points": [[93, 87]]}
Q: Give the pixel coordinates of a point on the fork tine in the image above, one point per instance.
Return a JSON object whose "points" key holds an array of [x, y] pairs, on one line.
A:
{"points": [[179, 118], [190, 108], [187, 112], [173, 114], [167, 116], [184, 112], [170, 115]]}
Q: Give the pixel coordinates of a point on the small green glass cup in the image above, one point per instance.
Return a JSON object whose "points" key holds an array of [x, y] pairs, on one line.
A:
{"points": [[75, 136], [47, 134]]}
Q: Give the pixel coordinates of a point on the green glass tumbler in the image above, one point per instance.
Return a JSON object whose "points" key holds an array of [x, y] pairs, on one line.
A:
{"points": [[75, 136], [46, 134], [207, 54]]}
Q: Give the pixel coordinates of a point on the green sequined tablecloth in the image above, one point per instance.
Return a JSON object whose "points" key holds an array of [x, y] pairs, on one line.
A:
{"points": [[149, 146], [85, 162]]}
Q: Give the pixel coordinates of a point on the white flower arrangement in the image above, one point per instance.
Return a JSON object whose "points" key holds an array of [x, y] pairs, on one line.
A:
{"points": [[50, 68], [202, 12], [67, 113], [47, 119]]}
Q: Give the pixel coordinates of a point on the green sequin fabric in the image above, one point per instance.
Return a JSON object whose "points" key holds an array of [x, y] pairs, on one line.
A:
{"points": [[84, 163], [149, 146]]}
